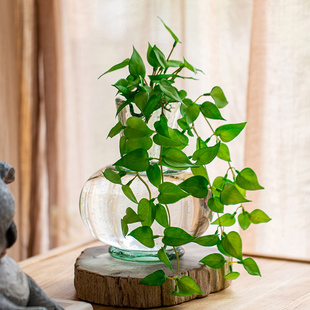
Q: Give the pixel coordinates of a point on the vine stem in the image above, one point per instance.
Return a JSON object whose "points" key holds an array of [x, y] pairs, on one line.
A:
{"points": [[148, 189]]}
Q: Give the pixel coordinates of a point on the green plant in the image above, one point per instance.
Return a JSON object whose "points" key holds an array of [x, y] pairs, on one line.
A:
{"points": [[143, 98]]}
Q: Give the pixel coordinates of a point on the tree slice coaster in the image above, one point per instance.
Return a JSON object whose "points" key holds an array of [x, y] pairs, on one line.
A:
{"points": [[104, 280]]}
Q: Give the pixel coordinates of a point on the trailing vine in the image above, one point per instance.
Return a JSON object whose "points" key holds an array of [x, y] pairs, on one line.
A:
{"points": [[159, 94]]}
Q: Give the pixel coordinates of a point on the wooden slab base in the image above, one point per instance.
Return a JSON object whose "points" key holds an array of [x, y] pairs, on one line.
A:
{"points": [[102, 279]]}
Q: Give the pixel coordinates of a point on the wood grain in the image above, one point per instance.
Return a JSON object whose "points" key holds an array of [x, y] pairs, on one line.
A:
{"points": [[104, 280], [284, 285]]}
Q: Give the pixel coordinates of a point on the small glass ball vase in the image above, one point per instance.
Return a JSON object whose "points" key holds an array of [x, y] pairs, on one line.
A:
{"points": [[103, 205]]}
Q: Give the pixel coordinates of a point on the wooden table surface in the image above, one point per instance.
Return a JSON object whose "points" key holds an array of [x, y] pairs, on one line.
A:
{"points": [[283, 285]]}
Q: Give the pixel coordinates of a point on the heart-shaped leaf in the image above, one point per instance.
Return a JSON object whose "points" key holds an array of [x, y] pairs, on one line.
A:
{"points": [[251, 267], [188, 286], [258, 216], [231, 196], [208, 240], [131, 216], [229, 132], [196, 185], [136, 128], [175, 158], [244, 221], [205, 155], [175, 236], [215, 205], [112, 176], [169, 90], [146, 211], [162, 255], [161, 216], [247, 179], [232, 244], [226, 219], [218, 96], [136, 160], [136, 65], [214, 260], [210, 110], [129, 193], [116, 130], [154, 175], [170, 193], [144, 235], [156, 278]]}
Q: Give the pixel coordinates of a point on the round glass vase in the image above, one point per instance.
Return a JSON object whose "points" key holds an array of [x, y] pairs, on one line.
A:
{"points": [[103, 205]]}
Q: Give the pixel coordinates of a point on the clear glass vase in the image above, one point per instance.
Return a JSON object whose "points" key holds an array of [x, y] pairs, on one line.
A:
{"points": [[103, 205]]}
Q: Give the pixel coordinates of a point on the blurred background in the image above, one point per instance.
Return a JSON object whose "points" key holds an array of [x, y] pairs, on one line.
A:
{"points": [[55, 114]]}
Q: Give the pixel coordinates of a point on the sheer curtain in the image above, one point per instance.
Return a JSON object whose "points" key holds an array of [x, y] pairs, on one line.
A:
{"points": [[257, 51]]}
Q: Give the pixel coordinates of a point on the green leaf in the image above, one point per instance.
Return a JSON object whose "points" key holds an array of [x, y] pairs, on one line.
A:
{"points": [[244, 221], [140, 143], [175, 236], [258, 216], [116, 67], [151, 57], [251, 267], [136, 160], [161, 126], [215, 205], [232, 275], [136, 128], [214, 260], [144, 235], [175, 158], [131, 216], [177, 139], [226, 219], [230, 131], [154, 175], [247, 179], [223, 152], [124, 227], [188, 286], [175, 63], [208, 240], [161, 216], [121, 85], [160, 57], [159, 77], [169, 90], [189, 110], [162, 255], [171, 32], [205, 155], [210, 110], [232, 244], [190, 67], [196, 185], [146, 211], [152, 105], [116, 130], [112, 176], [129, 193], [154, 279], [141, 100], [136, 65], [170, 193], [122, 145], [201, 170], [122, 106], [231, 196], [218, 96]]}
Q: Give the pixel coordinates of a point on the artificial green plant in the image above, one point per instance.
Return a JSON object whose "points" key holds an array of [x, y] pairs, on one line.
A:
{"points": [[145, 94]]}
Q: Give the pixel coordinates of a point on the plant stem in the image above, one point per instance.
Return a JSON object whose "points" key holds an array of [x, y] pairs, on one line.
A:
{"points": [[232, 170], [148, 189], [210, 125], [198, 98]]}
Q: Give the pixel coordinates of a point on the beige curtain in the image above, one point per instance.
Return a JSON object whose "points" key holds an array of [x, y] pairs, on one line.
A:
{"points": [[55, 114]]}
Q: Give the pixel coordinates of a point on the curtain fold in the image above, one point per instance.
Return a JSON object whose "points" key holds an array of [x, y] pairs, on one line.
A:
{"points": [[56, 114]]}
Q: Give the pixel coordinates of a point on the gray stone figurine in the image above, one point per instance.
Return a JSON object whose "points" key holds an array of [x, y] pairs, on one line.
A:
{"points": [[17, 289]]}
